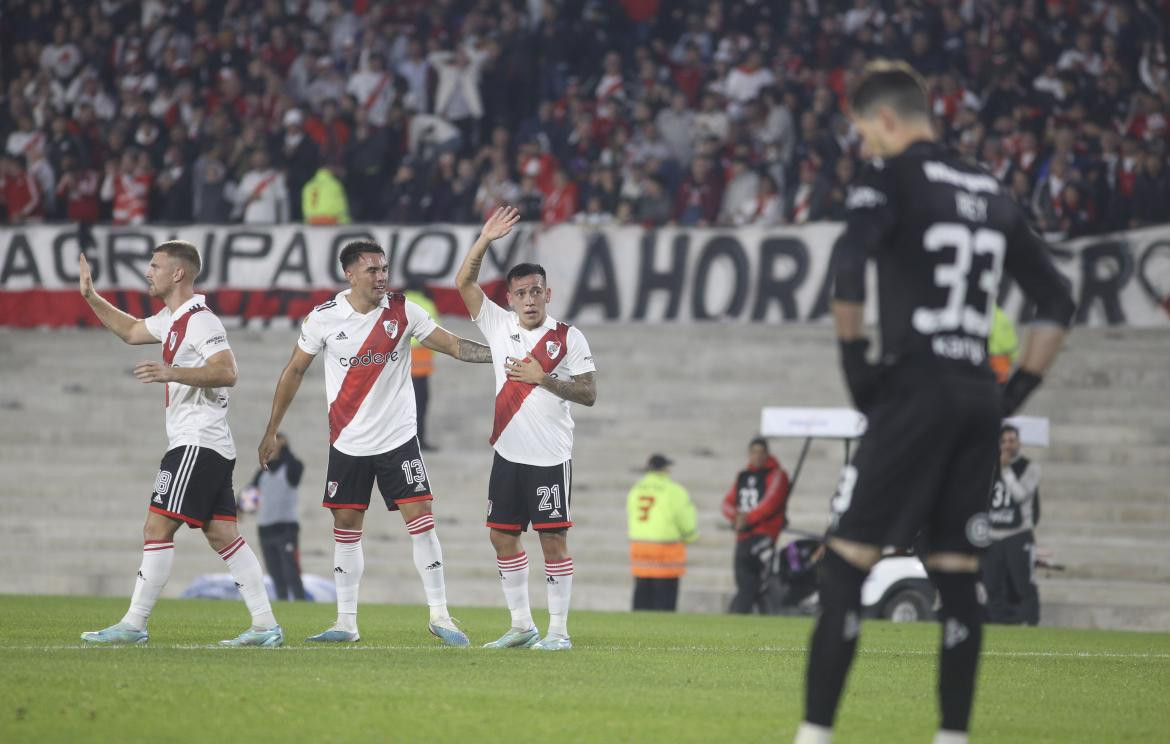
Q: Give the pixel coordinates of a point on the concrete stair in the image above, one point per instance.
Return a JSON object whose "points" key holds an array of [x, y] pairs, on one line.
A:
{"points": [[81, 441]]}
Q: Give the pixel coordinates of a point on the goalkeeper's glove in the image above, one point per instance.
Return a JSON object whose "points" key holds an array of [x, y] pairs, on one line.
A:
{"points": [[861, 377], [1017, 389]]}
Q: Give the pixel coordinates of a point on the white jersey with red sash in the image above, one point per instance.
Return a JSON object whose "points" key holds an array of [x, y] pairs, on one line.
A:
{"points": [[367, 370], [195, 415], [532, 426]]}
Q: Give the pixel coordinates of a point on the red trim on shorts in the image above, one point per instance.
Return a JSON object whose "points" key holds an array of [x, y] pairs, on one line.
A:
{"points": [[359, 507], [223, 517], [412, 499], [502, 526], [193, 523], [551, 525]]}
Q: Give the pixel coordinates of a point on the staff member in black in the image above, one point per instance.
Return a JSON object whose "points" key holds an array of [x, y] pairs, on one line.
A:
{"points": [[1008, 564], [940, 231]]}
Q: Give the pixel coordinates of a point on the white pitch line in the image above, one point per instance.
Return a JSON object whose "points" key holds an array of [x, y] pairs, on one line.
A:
{"points": [[669, 649]]}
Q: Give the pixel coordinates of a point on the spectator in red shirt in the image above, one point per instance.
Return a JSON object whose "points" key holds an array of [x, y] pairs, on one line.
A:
{"points": [[19, 190], [560, 204], [78, 191], [700, 195], [755, 507]]}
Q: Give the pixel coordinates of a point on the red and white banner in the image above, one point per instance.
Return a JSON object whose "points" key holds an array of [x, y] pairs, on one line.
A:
{"points": [[253, 275]]}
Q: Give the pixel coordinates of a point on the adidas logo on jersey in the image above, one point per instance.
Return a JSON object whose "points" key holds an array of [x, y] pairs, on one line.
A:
{"points": [[554, 513], [157, 499], [418, 488], [516, 337], [239, 585], [340, 336]]}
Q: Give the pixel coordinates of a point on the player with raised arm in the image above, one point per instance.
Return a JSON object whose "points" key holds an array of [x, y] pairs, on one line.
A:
{"points": [[364, 333], [541, 366], [940, 231], [194, 482]]}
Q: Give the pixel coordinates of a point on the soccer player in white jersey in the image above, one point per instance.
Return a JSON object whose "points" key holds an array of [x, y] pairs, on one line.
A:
{"points": [[365, 336], [541, 366], [194, 482]]}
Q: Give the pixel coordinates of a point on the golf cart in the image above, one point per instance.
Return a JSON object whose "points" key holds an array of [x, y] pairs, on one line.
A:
{"points": [[897, 587]]}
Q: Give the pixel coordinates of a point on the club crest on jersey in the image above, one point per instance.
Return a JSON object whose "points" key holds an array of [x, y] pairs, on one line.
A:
{"points": [[553, 348], [330, 489], [174, 338], [391, 328]]}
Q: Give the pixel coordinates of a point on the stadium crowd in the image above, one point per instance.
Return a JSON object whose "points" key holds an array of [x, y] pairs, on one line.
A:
{"points": [[690, 112]]}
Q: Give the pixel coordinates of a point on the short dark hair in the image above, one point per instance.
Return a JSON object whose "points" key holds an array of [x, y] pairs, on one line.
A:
{"points": [[526, 269], [351, 251], [184, 251], [890, 83], [760, 441], [1009, 427]]}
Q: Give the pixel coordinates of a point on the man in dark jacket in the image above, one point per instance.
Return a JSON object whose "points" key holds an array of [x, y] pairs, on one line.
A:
{"points": [[755, 506]]}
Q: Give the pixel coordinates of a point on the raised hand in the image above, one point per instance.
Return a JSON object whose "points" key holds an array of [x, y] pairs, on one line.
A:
{"points": [[85, 280], [500, 223]]}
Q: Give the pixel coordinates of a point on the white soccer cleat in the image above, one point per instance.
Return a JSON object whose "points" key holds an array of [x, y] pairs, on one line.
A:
{"points": [[270, 638], [448, 632], [516, 639], [553, 643], [334, 635], [117, 634]]}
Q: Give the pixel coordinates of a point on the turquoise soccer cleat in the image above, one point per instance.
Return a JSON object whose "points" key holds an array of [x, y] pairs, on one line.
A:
{"points": [[270, 638], [119, 634], [515, 639], [553, 643], [333, 635], [448, 632]]}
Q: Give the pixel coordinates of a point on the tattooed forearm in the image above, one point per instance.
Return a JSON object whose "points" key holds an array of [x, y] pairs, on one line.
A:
{"points": [[470, 351], [581, 389], [474, 261]]}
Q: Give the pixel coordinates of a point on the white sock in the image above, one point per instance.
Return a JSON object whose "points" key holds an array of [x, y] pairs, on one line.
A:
{"points": [[559, 581], [811, 733], [157, 558], [428, 559], [950, 737], [514, 578], [348, 564], [241, 561]]}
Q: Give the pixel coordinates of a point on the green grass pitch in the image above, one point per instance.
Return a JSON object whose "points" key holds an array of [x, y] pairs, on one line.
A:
{"points": [[630, 678]]}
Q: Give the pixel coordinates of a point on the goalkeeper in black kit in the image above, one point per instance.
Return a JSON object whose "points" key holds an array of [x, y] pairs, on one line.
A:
{"points": [[941, 231]]}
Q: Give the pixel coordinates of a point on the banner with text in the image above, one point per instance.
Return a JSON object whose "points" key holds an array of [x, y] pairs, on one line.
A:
{"points": [[252, 275]]}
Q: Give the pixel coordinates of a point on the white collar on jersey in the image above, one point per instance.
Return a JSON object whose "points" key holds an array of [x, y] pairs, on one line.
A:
{"points": [[344, 303], [195, 300]]}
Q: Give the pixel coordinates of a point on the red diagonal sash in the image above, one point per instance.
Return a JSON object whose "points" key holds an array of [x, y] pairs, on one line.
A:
{"points": [[514, 392], [361, 378], [175, 336]]}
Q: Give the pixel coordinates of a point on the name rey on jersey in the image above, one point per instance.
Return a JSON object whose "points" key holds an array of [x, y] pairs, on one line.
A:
{"points": [[367, 369], [195, 415], [960, 221]]}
